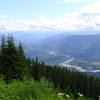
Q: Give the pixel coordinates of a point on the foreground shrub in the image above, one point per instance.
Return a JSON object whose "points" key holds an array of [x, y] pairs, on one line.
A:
{"points": [[30, 90]]}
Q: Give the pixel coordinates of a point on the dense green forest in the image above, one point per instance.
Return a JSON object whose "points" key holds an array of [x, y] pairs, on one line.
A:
{"points": [[14, 65]]}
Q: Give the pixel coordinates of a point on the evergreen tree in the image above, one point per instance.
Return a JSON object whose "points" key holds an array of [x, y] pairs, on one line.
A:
{"points": [[23, 63], [3, 55], [13, 63], [12, 67]]}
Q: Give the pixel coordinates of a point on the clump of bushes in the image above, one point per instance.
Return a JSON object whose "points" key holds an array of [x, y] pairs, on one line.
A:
{"points": [[30, 90]]}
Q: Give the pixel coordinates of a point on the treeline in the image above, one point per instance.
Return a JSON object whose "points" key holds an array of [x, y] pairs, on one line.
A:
{"points": [[69, 82], [14, 65]]}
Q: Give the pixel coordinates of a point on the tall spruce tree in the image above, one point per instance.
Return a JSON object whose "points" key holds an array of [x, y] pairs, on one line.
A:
{"points": [[23, 63], [12, 61], [2, 55]]}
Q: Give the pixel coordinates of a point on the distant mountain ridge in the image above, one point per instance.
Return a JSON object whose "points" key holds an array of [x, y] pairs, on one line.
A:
{"points": [[75, 44]]}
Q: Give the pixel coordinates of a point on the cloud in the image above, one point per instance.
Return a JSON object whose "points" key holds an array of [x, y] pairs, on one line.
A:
{"points": [[87, 19], [92, 8], [76, 1]]}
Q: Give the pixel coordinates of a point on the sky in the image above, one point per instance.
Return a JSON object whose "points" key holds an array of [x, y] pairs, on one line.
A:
{"points": [[49, 15], [30, 9]]}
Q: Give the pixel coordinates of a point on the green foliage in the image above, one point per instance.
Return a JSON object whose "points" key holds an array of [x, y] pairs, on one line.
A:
{"points": [[30, 90], [12, 61], [69, 82]]}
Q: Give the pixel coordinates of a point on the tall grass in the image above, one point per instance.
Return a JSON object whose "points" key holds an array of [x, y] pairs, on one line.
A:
{"points": [[29, 90]]}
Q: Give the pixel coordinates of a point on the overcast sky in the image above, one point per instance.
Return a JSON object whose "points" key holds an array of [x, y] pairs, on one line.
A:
{"points": [[49, 15]]}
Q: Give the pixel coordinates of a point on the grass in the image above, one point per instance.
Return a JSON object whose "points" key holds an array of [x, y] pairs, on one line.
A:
{"points": [[30, 90]]}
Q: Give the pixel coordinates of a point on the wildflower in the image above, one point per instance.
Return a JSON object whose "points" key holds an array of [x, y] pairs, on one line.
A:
{"points": [[80, 95], [67, 96], [61, 94], [99, 97]]}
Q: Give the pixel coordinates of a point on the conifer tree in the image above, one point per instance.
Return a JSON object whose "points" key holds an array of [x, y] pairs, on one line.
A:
{"points": [[23, 63], [13, 63], [2, 55]]}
